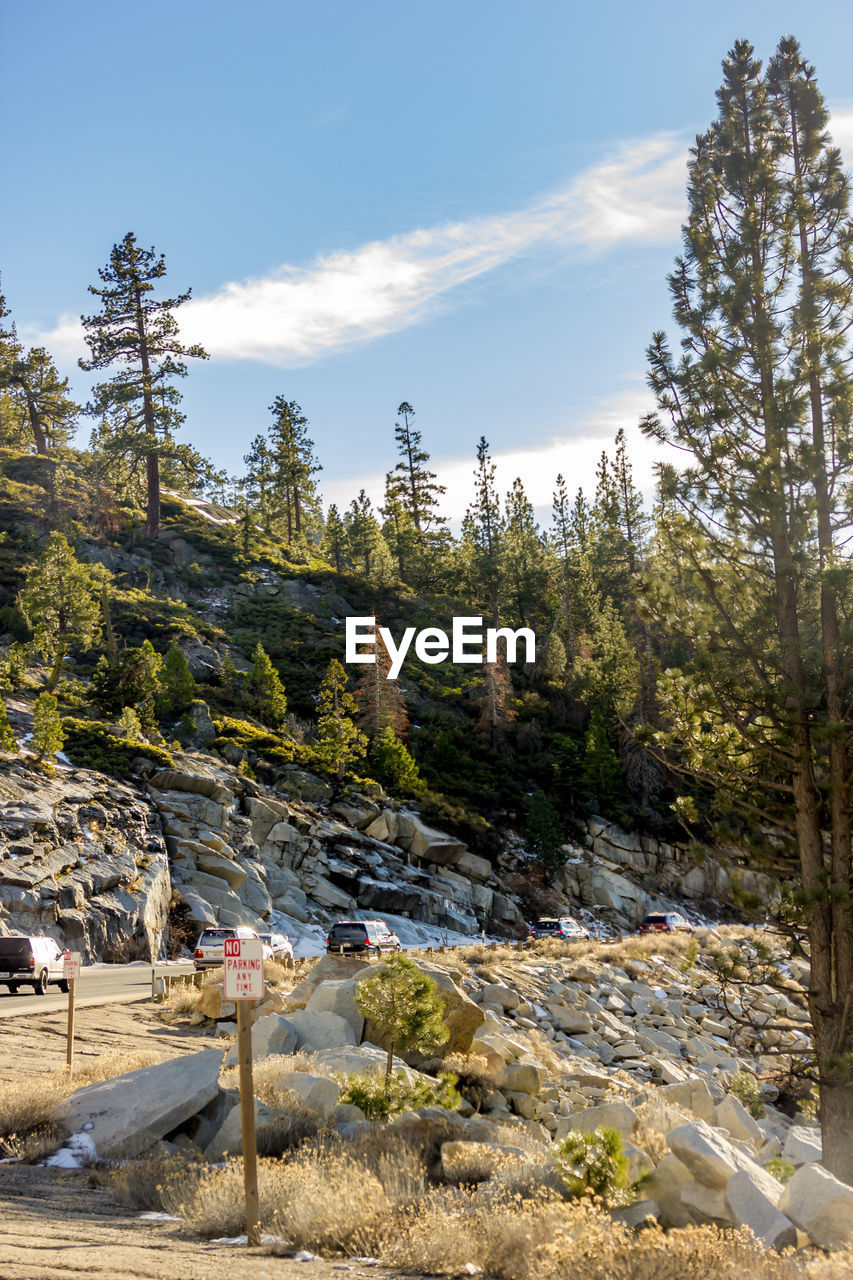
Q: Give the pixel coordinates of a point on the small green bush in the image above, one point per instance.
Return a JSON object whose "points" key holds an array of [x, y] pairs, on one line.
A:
{"points": [[248, 735], [748, 1091], [379, 1098], [92, 744], [593, 1164], [781, 1169]]}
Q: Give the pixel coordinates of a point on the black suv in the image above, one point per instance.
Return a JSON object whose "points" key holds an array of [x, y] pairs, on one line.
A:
{"points": [[354, 937]]}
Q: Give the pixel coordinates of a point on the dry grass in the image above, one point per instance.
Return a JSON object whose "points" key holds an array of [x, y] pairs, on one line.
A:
{"points": [[328, 1197], [267, 1071], [183, 998], [113, 1063], [28, 1131], [518, 1241], [372, 1196], [142, 1184]]}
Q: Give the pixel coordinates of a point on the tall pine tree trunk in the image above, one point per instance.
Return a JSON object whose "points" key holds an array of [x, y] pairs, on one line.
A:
{"points": [[152, 458]]}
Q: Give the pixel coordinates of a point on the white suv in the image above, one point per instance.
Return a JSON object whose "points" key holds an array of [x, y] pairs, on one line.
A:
{"points": [[34, 962], [210, 948]]}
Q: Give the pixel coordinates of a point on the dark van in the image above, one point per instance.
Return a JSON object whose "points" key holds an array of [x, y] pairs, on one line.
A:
{"points": [[361, 937]]}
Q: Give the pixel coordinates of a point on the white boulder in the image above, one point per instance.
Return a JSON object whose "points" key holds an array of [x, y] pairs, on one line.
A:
{"points": [[820, 1205]]}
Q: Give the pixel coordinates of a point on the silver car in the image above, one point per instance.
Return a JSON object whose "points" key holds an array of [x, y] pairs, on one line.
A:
{"points": [[31, 961], [280, 946]]}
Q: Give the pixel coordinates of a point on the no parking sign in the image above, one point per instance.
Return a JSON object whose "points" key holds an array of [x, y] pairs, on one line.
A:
{"points": [[244, 969]]}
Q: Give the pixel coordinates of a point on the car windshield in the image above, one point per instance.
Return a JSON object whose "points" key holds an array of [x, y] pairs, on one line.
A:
{"points": [[266, 937], [655, 920], [348, 931], [216, 935], [14, 948], [548, 926]]}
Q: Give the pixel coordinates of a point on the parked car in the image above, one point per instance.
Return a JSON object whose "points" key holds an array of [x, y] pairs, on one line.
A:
{"points": [[565, 927], [280, 946], [665, 922], [210, 948], [354, 937], [34, 962]]}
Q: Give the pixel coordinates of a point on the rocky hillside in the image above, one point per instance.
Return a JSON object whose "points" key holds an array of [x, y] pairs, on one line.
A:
{"points": [[546, 1044], [134, 869]]}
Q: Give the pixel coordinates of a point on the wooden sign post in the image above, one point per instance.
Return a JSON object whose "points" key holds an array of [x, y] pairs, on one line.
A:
{"points": [[72, 962], [244, 983]]}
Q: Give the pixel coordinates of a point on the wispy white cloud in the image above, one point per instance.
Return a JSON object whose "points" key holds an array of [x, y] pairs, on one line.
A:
{"points": [[575, 455], [298, 314]]}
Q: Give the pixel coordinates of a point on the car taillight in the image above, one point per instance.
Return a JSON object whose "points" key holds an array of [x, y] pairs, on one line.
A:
{"points": [[328, 942], [199, 954], [31, 963], [368, 943]]}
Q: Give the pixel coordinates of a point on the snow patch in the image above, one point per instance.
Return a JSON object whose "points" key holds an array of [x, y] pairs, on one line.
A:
{"points": [[78, 1151]]}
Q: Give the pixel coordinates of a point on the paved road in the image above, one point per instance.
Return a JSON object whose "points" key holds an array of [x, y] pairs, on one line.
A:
{"points": [[108, 984]]}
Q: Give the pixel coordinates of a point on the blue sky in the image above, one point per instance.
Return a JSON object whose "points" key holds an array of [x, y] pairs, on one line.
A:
{"points": [[470, 206]]}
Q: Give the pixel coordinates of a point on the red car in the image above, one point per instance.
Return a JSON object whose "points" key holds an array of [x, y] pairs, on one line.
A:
{"points": [[665, 922]]}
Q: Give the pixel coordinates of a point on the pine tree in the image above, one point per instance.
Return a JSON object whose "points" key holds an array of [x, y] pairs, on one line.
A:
{"points": [[495, 702], [544, 835], [381, 703], [8, 741], [258, 482], [404, 1004], [177, 685], [47, 737], [333, 544], [341, 742], [411, 478], [269, 701], [132, 681], [293, 466], [523, 576], [760, 402], [35, 388], [140, 333], [365, 544], [398, 530], [411, 508], [393, 764], [562, 542], [60, 601], [231, 681], [484, 525]]}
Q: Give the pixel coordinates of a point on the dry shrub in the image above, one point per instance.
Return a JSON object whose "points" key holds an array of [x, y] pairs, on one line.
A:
{"points": [[142, 1184], [514, 1241], [267, 1071], [469, 1068], [328, 1197], [27, 1129], [290, 1129], [183, 998], [652, 1141], [330, 1205], [212, 1199], [113, 1063], [277, 974]]}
